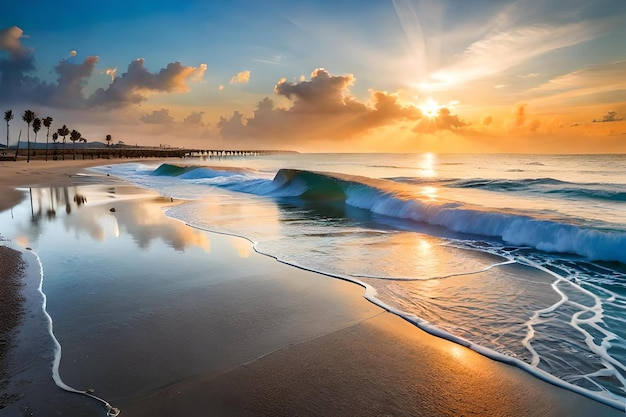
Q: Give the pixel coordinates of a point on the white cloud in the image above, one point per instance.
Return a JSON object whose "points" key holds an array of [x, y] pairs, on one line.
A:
{"points": [[503, 49], [242, 77]]}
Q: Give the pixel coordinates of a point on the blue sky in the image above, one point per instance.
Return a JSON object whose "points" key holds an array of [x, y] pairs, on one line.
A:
{"points": [[402, 75]]}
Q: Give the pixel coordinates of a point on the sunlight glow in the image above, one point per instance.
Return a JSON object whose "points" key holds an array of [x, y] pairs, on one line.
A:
{"points": [[458, 352], [430, 108], [430, 192]]}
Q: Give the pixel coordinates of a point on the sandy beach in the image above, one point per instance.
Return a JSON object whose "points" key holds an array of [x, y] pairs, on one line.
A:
{"points": [[353, 359]]}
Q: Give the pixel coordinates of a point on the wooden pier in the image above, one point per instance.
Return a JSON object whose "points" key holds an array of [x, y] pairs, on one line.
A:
{"points": [[129, 152]]}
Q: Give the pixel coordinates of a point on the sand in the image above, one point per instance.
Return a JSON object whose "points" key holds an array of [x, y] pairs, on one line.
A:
{"points": [[367, 363], [11, 311], [39, 173]]}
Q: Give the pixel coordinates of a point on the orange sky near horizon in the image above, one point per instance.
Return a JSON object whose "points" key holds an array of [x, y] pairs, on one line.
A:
{"points": [[397, 76]]}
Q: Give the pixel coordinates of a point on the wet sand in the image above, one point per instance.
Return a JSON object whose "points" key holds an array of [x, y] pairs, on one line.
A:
{"points": [[355, 359], [11, 312]]}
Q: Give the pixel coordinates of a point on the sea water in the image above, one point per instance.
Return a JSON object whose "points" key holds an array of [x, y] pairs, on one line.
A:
{"points": [[520, 257]]}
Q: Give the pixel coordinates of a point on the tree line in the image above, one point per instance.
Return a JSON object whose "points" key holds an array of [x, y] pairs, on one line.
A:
{"points": [[31, 119]]}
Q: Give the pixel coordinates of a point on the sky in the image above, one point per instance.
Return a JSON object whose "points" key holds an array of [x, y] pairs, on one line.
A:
{"points": [[441, 76]]}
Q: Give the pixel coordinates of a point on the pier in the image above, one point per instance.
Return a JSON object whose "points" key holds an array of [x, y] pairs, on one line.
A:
{"points": [[131, 152]]}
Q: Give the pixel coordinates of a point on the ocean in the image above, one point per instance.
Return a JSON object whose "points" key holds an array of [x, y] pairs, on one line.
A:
{"points": [[521, 258]]}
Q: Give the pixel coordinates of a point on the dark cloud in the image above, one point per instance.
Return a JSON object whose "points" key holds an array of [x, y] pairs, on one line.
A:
{"points": [[71, 81], [158, 117], [611, 116], [321, 108], [16, 62], [17, 85]]}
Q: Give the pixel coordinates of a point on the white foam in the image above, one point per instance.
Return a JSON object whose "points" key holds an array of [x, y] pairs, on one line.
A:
{"points": [[110, 410]]}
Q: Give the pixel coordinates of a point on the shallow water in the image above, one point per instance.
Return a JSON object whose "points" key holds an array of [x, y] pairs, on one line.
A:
{"points": [[140, 301]]}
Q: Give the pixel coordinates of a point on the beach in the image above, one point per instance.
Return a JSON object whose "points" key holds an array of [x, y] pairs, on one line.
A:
{"points": [[276, 340]]}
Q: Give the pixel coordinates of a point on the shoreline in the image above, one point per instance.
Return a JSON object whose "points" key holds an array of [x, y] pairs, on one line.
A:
{"points": [[40, 173], [260, 387]]}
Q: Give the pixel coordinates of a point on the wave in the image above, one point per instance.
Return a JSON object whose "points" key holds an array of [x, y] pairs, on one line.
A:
{"points": [[391, 199], [596, 191], [171, 170], [548, 186]]}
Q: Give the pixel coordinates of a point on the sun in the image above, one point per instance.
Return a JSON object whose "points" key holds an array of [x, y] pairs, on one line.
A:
{"points": [[430, 108]]}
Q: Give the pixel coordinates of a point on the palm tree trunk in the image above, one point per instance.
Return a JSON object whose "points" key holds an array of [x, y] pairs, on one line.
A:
{"points": [[28, 144], [17, 148]]}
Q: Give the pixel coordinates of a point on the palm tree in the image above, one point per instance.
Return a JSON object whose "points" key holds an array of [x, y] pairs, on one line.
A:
{"points": [[36, 128], [47, 122], [8, 116], [83, 140], [63, 131], [109, 144], [28, 117], [74, 136], [55, 137]]}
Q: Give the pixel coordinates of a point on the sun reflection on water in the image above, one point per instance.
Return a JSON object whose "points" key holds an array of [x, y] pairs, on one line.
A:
{"points": [[429, 191], [426, 165]]}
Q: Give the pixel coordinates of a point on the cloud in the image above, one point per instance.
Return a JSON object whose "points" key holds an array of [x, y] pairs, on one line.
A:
{"points": [[71, 81], [504, 48], [324, 93], [137, 82], [194, 119], [520, 122], [520, 115], [487, 121], [529, 75], [443, 121], [221, 87], [14, 81], [584, 84], [133, 86], [159, 117], [10, 41], [198, 74], [111, 72], [242, 77], [320, 109], [611, 116], [67, 92]]}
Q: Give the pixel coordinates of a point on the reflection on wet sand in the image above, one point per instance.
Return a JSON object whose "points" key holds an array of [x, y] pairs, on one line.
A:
{"points": [[102, 212]]}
